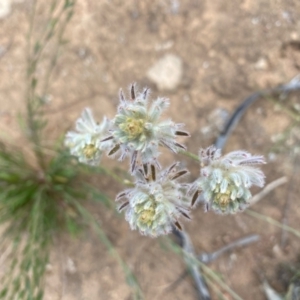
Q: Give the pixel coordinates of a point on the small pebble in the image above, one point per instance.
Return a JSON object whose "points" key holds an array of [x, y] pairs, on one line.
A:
{"points": [[70, 266], [277, 251], [166, 73], [5, 8], [205, 65], [261, 64], [164, 46], [294, 36]]}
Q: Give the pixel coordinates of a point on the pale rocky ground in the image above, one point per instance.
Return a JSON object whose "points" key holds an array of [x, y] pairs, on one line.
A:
{"points": [[224, 50]]}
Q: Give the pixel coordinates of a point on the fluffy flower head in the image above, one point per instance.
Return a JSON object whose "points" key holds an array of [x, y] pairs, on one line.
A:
{"points": [[225, 181], [138, 130], [157, 202], [85, 142]]}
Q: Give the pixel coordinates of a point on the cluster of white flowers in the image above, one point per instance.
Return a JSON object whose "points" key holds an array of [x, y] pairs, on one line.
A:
{"points": [[137, 130], [225, 181], [157, 202], [86, 142]]}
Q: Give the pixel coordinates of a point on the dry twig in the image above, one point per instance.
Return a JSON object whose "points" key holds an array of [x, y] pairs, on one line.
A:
{"points": [[268, 188]]}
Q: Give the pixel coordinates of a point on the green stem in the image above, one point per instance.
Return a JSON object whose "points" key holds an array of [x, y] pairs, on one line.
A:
{"points": [[35, 52], [47, 36], [190, 155], [273, 222], [30, 95], [59, 43], [116, 177], [31, 23], [289, 112], [216, 278]]}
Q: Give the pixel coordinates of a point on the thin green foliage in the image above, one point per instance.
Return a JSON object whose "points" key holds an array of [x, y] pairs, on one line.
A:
{"points": [[287, 141], [34, 206], [39, 200], [273, 222], [58, 17]]}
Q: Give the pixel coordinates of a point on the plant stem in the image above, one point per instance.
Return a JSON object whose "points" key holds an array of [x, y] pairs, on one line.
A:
{"points": [[30, 95], [116, 177], [273, 222], [59, 43], [190, 155]]}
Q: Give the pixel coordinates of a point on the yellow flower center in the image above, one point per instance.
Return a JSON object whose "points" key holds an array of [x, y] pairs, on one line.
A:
{"points": [[132, 127], [89, 151], [222, 199], [146, 216]]}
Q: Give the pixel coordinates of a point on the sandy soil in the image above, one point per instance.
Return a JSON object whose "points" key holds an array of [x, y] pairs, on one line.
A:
{"points": [[228, 49]]}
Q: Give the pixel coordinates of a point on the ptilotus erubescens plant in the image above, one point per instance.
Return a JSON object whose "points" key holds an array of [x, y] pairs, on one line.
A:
{"points": [[158, 200]]}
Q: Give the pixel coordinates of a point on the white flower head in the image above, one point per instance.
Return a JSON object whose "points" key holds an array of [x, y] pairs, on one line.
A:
{"points": [[85, 142], [138, 130], [225, 181], [156, 203]]}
